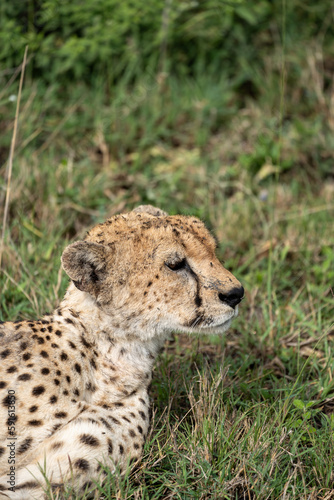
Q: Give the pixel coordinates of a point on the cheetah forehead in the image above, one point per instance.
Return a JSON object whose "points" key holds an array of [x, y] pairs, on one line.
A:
{"points": [[135, 224]]}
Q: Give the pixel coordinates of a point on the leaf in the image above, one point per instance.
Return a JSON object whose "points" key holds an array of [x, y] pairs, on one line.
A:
{"points": [[299, 404]]}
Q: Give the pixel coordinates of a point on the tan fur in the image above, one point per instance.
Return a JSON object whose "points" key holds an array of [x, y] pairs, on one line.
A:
{"points": [[77, 380]]}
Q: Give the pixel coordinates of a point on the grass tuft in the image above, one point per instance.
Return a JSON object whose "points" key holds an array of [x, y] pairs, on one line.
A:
{"points": [[244, 416]]}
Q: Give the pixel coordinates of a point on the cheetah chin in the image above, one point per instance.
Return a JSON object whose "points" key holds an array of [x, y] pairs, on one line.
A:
{"points": [[75, 383]]}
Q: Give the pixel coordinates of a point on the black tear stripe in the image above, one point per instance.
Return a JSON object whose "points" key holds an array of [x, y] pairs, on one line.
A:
{"points": [[198, 298], [198, 316]]}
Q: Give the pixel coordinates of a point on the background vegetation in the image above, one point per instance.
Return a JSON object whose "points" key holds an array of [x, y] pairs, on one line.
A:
{"points": [[220, 109]]}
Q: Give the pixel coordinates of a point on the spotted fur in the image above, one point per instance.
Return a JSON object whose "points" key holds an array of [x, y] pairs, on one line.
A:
{"points": [[74, 385]]}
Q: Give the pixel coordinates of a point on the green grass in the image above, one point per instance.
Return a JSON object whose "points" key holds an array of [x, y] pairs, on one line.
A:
{"points": [[247, 415]]}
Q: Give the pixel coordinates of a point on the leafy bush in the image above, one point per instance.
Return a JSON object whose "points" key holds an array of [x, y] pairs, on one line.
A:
{"points": [[78, 38]]}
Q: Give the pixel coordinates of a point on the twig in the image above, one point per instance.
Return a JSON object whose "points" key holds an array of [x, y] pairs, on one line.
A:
{"points": [[15, 72], [11, 155]]}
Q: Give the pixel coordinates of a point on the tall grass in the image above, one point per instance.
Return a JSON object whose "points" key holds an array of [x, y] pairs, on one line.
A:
{"points": [[248, 415]]}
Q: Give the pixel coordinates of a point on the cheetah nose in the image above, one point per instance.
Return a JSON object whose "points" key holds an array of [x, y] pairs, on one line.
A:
{"points": [[233, 297]]}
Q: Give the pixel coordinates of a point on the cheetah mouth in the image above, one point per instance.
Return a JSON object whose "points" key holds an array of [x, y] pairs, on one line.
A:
{"points": [[214, 322], [210, 325], [218, 327]]}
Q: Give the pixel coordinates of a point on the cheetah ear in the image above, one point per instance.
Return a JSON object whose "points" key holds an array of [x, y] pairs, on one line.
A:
{"points": [[85, 264], [150, 209]]}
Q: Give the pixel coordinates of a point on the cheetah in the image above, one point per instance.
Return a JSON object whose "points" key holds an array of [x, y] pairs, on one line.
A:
{"points": [[75, 383]]}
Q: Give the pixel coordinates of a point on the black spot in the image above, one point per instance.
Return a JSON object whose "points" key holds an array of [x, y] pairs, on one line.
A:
{"points": [[81, 464], [23, 346], [110, 447], [132, 433], [65, 392], [77, 368], [4, 354], [40, 340], [140, 429], [58, 372], [56, 381], [27, 484], [55, 346], [118, 405], [43, 330], [35, 423], [44, 354], [61, 414], [24, 376], [93, 364], [68, 378], [56, 446], [45, 371], [26, 356], [69, 320], [84, 342], [58, 333], [2, 450], [74, 313], [50, 328], [149, 284], [136, 446], [53, 399], [76, 392], [89, 440], [2, 384], [121, 449], [12, 369], [142, 414], [6, 400], [38, 390], [90, 387], [24, 446], [105, 423], [63, 356], [72, 345], [126, 419], [32, 409], [114, 420]]}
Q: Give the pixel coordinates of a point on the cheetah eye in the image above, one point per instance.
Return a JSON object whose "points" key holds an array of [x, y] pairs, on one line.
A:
{"points": [[177, 265]]}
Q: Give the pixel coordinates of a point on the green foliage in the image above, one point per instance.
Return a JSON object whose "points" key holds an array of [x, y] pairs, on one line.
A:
{"points": [[79, 38]]}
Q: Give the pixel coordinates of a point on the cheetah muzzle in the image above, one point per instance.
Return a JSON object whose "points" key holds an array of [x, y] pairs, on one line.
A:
{"points": [[75, 383]]}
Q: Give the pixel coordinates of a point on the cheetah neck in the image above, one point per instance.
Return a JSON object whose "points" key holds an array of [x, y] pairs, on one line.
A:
{"points": [[126, 358]]}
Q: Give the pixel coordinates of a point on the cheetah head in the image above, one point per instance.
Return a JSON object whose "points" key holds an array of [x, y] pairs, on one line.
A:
{"points": [[151, 273]]}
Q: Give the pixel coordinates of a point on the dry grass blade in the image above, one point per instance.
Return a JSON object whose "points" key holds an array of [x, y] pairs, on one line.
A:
{"points": [[11, 156]]}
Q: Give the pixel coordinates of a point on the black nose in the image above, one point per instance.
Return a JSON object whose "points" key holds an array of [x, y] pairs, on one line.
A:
{"points": [[233, 297]]}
